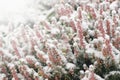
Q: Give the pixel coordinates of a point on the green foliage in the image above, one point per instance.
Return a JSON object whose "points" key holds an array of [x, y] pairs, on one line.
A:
{"points": [[104, 67], [113, 76]]}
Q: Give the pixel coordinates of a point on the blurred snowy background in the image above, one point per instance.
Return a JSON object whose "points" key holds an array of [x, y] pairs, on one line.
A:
{"points": [[15, 12]]}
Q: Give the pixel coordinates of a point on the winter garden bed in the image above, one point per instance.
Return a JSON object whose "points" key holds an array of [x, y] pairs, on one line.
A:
{"points": [[78, 40]]}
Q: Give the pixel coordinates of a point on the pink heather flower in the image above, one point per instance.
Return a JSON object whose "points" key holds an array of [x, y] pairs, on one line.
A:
{"points": [[105, 51], [116, 43], [108, 27], [61, 9], [79, 10], [26, 74], [57, 57], [33, 43], [73, 25], [93, 14], [46, 24], [109, 48], [51, 56], [64, 10], [3, 69], [92, 77], [80, 33], [107, 0], [101, 29], [1, 53], [65, 37], [13, 71], [113, 30], [115, 21], [36, 78], [23, 68], [54, 56], [14, 45], [88, 8], [14, 74], [30, 61], [23, 33], [5, 78], [101, 10], [37, 32], [69, 9], [41, 72], [40, 56]]}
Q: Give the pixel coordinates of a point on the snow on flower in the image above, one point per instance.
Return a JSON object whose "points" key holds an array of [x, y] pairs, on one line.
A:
{"points": [[77, 39]]}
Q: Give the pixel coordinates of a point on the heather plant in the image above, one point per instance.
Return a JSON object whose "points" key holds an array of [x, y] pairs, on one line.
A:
{"points": [[79, 42]]}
